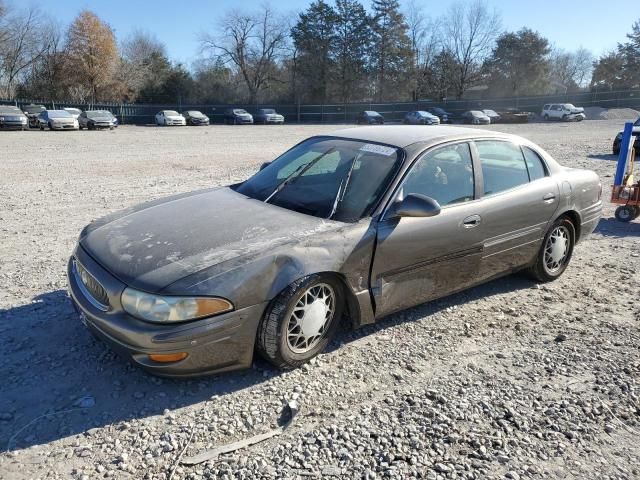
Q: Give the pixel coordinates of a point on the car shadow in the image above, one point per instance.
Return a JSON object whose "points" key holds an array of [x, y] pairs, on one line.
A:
{"points": [[603, 156], [61, 381], [501, 285], [58, 380], [610, 227]]}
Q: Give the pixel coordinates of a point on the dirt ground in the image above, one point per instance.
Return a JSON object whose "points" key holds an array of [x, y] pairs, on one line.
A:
{"points": [[508, 380]]}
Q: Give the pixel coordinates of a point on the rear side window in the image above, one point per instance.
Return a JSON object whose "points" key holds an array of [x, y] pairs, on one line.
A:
{"points": [[535, 165], [503, 166]]}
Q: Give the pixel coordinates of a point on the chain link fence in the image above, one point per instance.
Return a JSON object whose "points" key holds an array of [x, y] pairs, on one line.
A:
{"points": [[140, 114]]}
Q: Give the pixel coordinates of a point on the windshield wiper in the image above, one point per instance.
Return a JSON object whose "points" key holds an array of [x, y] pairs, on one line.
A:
{"points": [[296, 173], [342, 190]]}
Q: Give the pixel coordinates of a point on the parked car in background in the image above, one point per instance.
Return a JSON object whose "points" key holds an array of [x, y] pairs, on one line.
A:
{"points": [[12, 118], [476, 117], [267, 115], [169, 118], [493, 115], [563, 111], [235, 116], [636, 145], [420, 117], [354, 225], [96, 119], [73, 111], [369, 117], [32, 112], [195, 118], [514, 115], [442, 114], [57, 120]]}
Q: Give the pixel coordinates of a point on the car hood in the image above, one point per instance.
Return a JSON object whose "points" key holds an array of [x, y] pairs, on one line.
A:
{"points": [[174, 117], [153, 245]]}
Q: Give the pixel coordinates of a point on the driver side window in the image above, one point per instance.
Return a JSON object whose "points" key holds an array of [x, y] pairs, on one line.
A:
{"points": [[444, 174]]}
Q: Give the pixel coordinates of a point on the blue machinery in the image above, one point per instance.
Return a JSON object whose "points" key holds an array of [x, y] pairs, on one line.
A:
{"points": [[625, 191]]}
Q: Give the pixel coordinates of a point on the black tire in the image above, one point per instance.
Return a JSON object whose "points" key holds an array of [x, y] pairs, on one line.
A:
{"points": [[546, 117], [540, 271], [50, 127], [625, 213], [272, 343]]}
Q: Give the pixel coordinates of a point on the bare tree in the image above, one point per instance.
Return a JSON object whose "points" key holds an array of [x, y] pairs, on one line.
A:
{"points": [[470, 31], [572, 70], [139, 51], [21, 46], [252, 43]]}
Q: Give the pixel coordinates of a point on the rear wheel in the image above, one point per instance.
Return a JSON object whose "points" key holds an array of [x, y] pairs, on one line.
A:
{"points": [[625, 213], [300, 321], [556, 250]]}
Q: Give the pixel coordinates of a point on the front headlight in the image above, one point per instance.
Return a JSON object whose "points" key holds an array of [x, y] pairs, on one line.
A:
{"points": [[166, 309]]}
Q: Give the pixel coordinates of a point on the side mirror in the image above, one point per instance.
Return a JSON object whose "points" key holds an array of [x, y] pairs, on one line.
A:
{"points": [[264, 165], [417, 205]]}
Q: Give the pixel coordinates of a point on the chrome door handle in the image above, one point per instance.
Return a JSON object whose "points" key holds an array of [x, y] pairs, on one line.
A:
{"points": [[471, 221], [549, 198]]}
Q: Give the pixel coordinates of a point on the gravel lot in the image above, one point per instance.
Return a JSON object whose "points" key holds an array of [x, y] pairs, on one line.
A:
{"points": [[508, 380]]}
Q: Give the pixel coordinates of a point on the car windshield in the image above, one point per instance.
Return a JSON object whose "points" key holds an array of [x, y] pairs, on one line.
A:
{"points": [[422, 113], [569, 106], [34, 109], [59, 114], [74, 110], [637, 124], [476, 113], [195, 113], [240, 112], [371, 113], [267, 111], [171, 113], [327, 177], [99, 114], [490, 112]]}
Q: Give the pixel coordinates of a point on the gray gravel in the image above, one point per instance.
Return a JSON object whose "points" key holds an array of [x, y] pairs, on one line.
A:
{"points": [[509, 380]]}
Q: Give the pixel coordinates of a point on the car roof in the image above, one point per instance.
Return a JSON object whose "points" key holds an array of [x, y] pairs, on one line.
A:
{"points": [[405, 135]]}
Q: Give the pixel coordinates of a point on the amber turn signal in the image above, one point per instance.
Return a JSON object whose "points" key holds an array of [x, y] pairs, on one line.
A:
{"points": [[167, 357]]}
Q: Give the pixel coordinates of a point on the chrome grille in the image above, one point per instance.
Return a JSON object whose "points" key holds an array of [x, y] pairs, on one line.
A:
{"points": [[91, 287]]}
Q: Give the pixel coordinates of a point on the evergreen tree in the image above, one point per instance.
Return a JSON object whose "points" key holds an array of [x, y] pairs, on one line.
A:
{"points": [[314, 37], [391, 57], [353, 41], [519, 64]]}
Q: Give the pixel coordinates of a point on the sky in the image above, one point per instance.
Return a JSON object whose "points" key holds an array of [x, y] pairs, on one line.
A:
{"points": [[568, 24]]}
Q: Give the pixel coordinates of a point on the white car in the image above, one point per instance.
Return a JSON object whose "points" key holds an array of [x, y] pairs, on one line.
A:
{"points": [[75, 112], [563, 111], [57, 120], [170, 117]]}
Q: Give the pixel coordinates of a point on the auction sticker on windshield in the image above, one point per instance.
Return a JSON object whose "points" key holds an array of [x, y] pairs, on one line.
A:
{"points": [[379, 149]]}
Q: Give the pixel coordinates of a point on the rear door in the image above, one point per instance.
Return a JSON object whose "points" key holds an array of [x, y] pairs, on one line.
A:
{"points": [[519, 200], [418, 259]]}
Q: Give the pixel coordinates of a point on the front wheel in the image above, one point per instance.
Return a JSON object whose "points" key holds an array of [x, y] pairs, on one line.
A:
{"points": [[546, 117], [555, 253], [625, 213], [300, 321]]}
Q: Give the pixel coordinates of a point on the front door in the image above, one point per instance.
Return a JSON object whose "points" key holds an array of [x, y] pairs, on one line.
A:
{"points": [[419, 259]]}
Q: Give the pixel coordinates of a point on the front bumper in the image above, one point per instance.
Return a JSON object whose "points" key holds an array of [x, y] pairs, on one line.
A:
{"points": [[273, 120], [215, 344], [64, 126], [13, 125]]}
